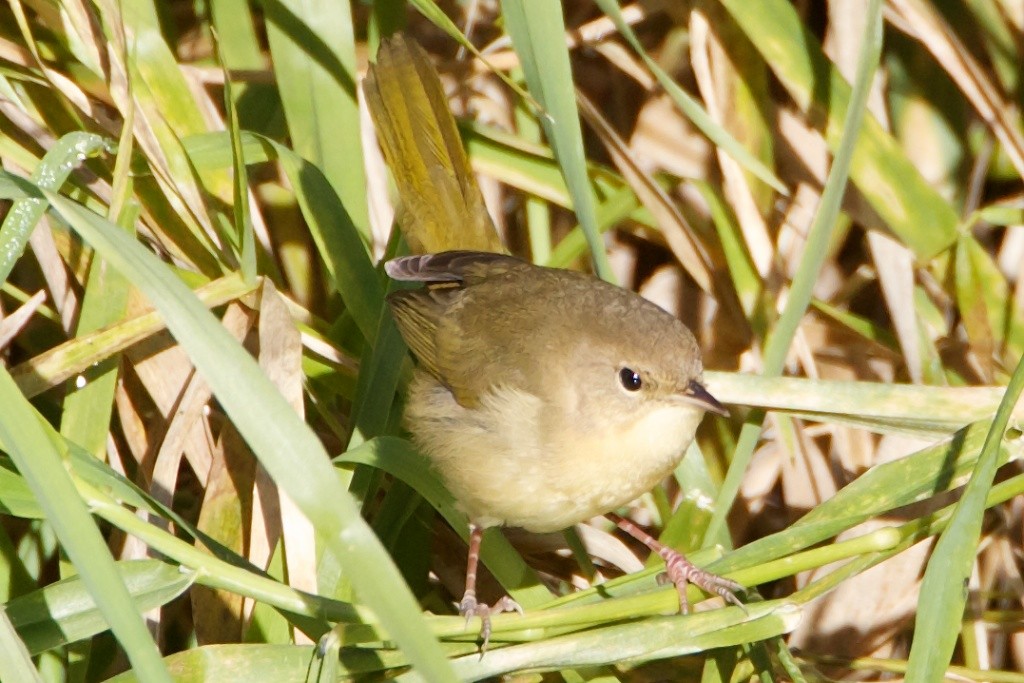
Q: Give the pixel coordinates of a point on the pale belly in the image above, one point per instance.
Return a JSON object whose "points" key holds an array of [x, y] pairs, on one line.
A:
{"points": [[493, 463]]}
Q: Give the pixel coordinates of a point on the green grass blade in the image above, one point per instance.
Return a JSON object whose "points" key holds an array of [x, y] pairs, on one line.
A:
{"points": [[938, 411], [537, 30], [51, 173], [314, 56], [16, 497], [921, 218], [88, 408], [227, 571], [41, 463], [659, 637], [379, 373], [15, 661], [938, 621], [814, 254], [65, 611], [245, 236], [238, 44], [284, 445], [261, 662]]}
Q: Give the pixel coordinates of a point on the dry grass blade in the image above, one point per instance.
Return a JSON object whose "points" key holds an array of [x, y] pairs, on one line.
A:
{"points": [[673, 225], [718, 84], [67, 360], [993, 107], [13, 323]]}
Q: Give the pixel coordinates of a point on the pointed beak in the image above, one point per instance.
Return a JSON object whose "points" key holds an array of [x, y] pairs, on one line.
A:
{"points": [[696, 393]]}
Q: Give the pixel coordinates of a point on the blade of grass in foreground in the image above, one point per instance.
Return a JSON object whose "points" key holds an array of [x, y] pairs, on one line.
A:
{"points": [[313, 52], [51, 173], [911, 408], [15, 662], [293, 456], [940, 607], [41, 464], [65, 612], [656, 638]]}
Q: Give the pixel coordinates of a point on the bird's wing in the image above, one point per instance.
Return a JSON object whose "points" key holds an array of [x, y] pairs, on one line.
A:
{"points": [[451, 266], [464, 290]]}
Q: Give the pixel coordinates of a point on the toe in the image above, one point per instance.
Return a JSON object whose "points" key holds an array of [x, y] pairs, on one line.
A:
{"points": [[507, 604]]}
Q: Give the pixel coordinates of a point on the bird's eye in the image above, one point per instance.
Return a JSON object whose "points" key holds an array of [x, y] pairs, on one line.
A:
{"points": [[630, 379]]}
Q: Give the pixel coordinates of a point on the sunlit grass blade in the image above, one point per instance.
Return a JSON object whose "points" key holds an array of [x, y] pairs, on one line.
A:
{"points": [[87, 411], [314, 58], [284, 444], [245, 238], [41, 463], [65, 611], [799, 298], [880, 169], [537, 30], [15, 661], [51, 173], [232, 573], [650, 638], [263, 662], [938, 622], [917, 409]]}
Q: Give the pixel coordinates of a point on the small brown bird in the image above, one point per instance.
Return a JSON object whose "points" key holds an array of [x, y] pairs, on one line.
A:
{"points": [[545, 397]]}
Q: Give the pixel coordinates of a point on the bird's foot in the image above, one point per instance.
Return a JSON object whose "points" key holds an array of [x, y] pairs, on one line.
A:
{"points": [[469, 608], [682, 572]]}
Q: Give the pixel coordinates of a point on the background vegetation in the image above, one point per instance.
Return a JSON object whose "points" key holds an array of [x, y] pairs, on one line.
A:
{"points": [[201, 397]]}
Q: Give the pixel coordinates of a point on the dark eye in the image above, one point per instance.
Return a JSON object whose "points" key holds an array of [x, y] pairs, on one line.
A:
{"points": [[630, 379]]}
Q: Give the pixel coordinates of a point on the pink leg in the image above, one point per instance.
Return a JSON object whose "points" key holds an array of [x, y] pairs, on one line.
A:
{"points": [[469, 606], [680, 570]]}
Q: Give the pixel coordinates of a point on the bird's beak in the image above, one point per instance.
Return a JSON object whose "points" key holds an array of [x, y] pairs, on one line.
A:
{"points": [[696, 393]]}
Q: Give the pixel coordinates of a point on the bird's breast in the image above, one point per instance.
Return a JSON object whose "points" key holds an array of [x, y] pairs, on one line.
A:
{"points": [[508, 460], [611, 465]]}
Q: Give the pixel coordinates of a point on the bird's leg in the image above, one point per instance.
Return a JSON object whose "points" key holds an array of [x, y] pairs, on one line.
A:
{"points": [[680, 570], [469, 607]]}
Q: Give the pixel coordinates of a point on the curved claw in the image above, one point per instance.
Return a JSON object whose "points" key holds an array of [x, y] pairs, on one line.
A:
{"points": [[469, 608]]}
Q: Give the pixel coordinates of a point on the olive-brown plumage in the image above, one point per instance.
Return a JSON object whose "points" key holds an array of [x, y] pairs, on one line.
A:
{"points": [[519, 400], [545, 397]]}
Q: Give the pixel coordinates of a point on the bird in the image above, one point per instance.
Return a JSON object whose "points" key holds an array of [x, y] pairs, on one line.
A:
{"points": [[545, 397]]}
